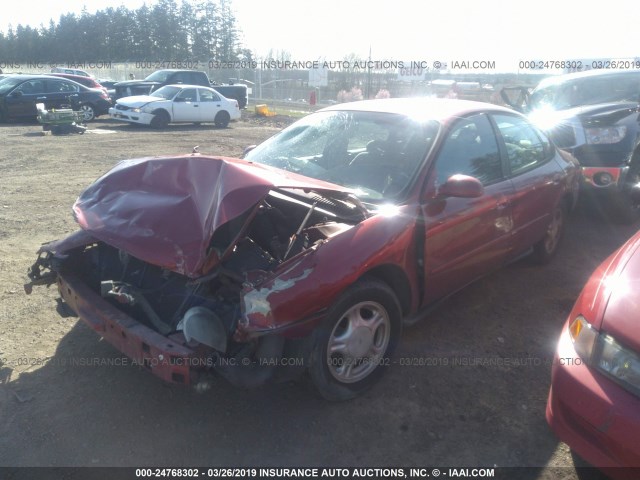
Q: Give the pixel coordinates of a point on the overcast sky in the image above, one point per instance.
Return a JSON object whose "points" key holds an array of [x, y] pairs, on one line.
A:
{"points": [[500, 30]]}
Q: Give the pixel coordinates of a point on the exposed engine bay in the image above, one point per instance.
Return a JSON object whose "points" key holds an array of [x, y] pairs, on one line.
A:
{"points": [[207, 309]]}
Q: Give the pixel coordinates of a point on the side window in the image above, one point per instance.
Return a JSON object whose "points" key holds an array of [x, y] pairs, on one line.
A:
{"points": [[186, 95], [208, 95], [32, 87], [61, 86], [526, 147], [195, 78], [180, 77], [470, 149]]}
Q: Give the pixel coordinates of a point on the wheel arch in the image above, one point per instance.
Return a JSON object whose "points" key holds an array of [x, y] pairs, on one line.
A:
{"points": [[162, 110], [396, 279]]}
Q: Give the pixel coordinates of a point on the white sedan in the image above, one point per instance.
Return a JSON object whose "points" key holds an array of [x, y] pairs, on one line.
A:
{"points": [[177, 103]]}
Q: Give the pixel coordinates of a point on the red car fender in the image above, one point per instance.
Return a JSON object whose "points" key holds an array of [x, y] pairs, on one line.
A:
{"points": [[296, 296]]}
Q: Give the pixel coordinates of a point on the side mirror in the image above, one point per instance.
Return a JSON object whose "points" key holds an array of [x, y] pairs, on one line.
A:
{"points": [[247, 150], [461, 186], [516, 98]]}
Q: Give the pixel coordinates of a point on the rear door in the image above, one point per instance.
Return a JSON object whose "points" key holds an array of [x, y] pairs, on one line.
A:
{"points": [[186, 107], [536, 177], [466, 237], [210, 104], [62, 93]]}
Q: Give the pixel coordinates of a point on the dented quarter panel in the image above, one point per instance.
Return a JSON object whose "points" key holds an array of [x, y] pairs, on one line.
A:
{"points": [[302, 289]]}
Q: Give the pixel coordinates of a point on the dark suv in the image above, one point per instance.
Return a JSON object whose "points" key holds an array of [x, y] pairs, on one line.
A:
{"points": [[594, 115]]}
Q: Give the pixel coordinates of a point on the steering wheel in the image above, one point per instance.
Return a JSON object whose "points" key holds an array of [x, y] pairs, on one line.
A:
{"points": [[376, 147]]}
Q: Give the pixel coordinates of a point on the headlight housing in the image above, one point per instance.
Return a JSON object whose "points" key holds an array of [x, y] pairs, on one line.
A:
{"points": [[602, 352], [619, 363], [605, 135]]}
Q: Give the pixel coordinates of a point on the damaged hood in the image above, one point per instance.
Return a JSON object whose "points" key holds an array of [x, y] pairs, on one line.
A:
{"points": [[165, 211], [138, 101]]}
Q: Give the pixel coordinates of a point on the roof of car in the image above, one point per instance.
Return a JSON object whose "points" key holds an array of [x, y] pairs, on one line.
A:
{"points": [[70, 76], [185, 85], [31, 76], [28, 76], [420, 107]]}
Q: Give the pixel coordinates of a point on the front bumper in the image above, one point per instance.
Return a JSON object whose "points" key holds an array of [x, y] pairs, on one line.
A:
{"points": [[165, 357], [593, 415], [130, 116]]}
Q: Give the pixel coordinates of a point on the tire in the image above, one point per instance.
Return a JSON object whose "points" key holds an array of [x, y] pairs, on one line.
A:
{"points": [[222, 119], [352, 346], [88, 112], [160, 119], [547, 247]]}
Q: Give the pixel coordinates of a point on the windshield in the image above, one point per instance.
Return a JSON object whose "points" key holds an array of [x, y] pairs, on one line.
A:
{"points": [[375, 154], [8, 83], [159, 76], [586, 91], [166, 92]]}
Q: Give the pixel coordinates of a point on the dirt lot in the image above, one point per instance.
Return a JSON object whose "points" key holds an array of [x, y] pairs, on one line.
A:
{"points": [[54, 414]]}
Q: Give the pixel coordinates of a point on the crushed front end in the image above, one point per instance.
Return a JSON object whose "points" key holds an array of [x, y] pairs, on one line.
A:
{"points": [[168, 287]]}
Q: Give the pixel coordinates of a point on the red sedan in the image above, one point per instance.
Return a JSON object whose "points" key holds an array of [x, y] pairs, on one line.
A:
{"points": [[312, 252], [594, 402]]}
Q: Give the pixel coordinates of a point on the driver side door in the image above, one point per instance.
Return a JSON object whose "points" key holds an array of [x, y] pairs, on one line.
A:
{"points": [[186, 107], [21, 102], [466, 238]]}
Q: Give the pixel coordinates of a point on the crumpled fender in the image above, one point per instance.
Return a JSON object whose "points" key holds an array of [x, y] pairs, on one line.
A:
{"points": [[79, 238], [300, 291]]}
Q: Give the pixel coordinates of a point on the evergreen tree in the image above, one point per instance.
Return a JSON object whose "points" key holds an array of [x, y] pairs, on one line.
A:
{"points": [[194, 30]]}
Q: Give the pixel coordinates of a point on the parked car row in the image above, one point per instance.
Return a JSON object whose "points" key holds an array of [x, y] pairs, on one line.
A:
{"points": [[156, 105], [19, 95]]}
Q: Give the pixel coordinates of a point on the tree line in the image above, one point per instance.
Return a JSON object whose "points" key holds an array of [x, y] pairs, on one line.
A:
{"points": [[192, 30]]}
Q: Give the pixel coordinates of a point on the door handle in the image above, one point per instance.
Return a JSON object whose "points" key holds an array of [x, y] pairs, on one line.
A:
{"points": [[41, 98], [196, 106]]}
